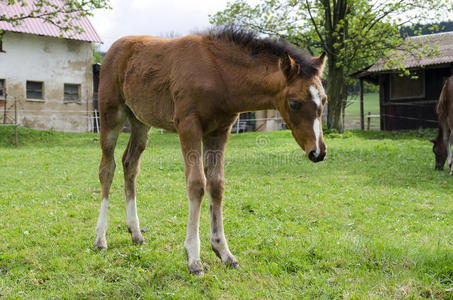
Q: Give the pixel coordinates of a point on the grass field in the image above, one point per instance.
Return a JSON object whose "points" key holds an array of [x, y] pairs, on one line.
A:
{"points": [[372, 221], [352, 111]]}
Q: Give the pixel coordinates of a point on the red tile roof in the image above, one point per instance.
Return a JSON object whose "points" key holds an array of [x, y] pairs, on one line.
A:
{"points": [[39, 27]]}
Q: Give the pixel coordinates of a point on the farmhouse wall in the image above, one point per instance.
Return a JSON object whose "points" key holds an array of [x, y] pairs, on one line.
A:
{"points": [[54, 62]]}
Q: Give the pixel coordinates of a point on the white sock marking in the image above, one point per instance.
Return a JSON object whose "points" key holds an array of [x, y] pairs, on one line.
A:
{"points": [[131, 215], [315, 95], [192, 242], [317, 133], [101, 227]]}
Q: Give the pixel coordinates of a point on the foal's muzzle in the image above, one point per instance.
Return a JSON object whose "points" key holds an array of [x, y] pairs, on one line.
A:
{"points": [[312, 156]]}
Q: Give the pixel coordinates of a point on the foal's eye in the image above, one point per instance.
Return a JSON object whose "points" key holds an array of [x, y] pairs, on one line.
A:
{"points": [[295, 105]]}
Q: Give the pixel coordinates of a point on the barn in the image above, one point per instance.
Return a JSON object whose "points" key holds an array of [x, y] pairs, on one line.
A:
{"points": [[408, 102], [48, 78]]}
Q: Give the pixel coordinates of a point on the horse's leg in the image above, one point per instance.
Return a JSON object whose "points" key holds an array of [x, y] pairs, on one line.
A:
{"points": [[112, 119], [131, 165], [213, 149], [190, 134]]}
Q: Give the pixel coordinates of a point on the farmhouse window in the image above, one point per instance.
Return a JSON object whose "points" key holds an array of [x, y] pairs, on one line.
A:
{"points": [[71, 92], [2, 88], [34, 90], [407, 87]]}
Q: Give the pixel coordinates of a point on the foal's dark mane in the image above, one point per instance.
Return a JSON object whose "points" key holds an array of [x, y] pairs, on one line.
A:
{"points": [[280, 48]]}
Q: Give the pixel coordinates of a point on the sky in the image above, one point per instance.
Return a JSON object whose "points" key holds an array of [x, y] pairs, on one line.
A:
{"points": [[153, 17]]}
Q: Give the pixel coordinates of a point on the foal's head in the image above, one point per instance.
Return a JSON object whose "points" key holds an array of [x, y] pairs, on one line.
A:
{"points": [[440, 151], [302, 103]]}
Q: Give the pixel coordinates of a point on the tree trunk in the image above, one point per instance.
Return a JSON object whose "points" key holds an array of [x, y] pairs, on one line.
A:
{"points": [[335, 28], [335, 95]]}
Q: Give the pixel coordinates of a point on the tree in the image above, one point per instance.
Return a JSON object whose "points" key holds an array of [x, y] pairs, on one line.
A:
{"points": [[353, 33], [98, 55], [59, 13]]}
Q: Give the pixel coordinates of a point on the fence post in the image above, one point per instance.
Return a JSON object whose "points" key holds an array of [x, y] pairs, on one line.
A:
{"points": [[362, 125], [15, 120], [238, 123], [368, 122], [4, 108], [96, 120]]}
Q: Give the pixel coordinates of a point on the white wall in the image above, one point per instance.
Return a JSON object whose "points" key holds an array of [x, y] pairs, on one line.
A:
{"points": [[55, 62]]}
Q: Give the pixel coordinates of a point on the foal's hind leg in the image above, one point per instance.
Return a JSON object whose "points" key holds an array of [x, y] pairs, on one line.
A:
{"points": [[214, 148], [131, 165], [112, 120]]}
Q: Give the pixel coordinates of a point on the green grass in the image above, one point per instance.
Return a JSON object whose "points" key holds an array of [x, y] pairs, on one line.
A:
{"points": [[372, 221], [352, 111]]}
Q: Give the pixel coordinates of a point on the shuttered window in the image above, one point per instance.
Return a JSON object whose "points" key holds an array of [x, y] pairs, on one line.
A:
{"points": [[35, 90], [71, 92], [407, 87]]}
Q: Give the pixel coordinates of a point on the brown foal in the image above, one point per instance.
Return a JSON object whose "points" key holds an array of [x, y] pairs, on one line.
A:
{"points": [[196, 85], [442, 143]]}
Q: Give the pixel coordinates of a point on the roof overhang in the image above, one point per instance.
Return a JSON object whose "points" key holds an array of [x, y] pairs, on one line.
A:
{"points": [[37, 26], [414, 59]]}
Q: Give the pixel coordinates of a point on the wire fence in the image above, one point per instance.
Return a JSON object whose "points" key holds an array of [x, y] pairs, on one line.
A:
{"points": [[352, 121], [397, 113], [13, 112], [10, 116], [373, 121]]}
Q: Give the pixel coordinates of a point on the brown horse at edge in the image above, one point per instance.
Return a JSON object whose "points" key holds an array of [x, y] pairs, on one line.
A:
{"points": [[197, 85], [442, 143]]}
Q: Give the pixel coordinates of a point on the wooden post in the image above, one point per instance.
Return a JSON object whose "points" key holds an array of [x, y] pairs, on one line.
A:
{"points": [[15, 120], [96, 120], [4, 108], [362, 123], [382, 101], [368, 122]]}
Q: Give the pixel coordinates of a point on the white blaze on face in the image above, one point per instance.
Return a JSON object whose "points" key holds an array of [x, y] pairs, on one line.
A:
{"points": [[316, 130], [316, 126], [315, 95]]}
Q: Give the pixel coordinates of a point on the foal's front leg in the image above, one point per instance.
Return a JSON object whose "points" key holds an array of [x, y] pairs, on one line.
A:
{"points": [[214, 148], [190, 134]]}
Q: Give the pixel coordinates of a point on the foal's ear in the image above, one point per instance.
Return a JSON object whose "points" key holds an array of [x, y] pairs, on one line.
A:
{"points": [[289, 67], [432, 140], [320, 63]]}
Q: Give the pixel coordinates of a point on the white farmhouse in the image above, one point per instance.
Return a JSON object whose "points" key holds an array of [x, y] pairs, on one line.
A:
{"points": [[51, 78]]}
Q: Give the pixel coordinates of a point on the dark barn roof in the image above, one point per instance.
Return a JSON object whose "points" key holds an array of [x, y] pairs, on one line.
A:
{"points": [[442, 43]]}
